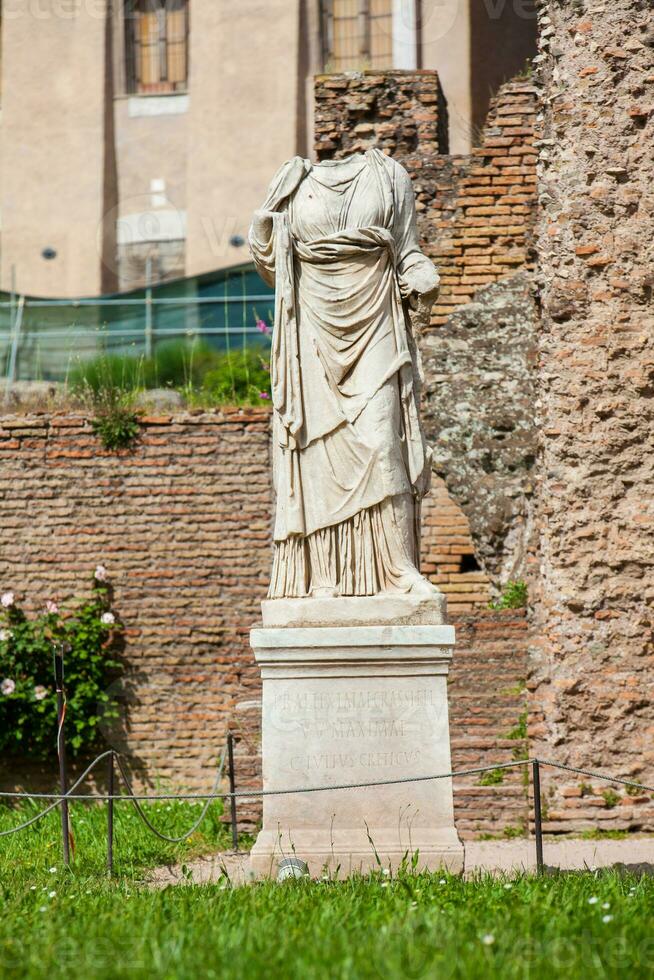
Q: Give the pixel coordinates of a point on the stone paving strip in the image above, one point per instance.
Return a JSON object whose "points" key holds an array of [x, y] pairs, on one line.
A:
{"points": [[497, 857]]}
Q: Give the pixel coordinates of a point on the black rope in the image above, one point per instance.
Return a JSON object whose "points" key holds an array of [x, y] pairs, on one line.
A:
{"points": [[57, 799], [597, 775], [267, 792], [136, 799], [196, 824]]}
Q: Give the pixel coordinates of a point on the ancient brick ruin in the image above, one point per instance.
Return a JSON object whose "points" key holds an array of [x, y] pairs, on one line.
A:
{"points": [[182, 523], [592, 655], [538, 398]]}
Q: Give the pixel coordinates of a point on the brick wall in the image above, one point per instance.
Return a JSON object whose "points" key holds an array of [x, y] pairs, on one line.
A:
{"points": [[482, 217], [448, 553], [476, 213], [402, 113], [182, 523], [488, 713], [592, 658]]}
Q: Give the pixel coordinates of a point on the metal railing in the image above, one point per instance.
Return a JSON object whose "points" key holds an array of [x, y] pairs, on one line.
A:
{"points": [[43, 338], [101, 338]]}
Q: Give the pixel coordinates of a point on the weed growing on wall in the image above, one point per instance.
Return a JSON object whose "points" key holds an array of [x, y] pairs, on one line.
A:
{"points": [[495, 777], [115, 423], [114, 419], [514, 596], [90, 633]]}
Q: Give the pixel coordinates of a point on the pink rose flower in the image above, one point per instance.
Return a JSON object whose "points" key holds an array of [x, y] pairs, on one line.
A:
{"points": [[7, 599], [51, 607], [40, 692], [100, 574], [8, 686], [107, 619]]}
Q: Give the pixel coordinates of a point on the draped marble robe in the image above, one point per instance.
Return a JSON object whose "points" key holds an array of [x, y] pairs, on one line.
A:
{"points": [[339, 242]]}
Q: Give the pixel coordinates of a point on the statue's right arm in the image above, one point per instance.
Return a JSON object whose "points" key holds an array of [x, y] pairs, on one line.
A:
{"points": [[262, 225], [262, 229], [261, 239]]}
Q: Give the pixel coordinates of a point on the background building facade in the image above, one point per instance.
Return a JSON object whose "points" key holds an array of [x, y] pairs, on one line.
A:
{"points": [[149, 129]]}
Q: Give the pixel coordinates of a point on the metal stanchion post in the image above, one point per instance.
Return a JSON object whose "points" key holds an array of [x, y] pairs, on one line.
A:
{"points": [[61, 747], [148, 307], [232, 789], [538, 820], [110, 814]]}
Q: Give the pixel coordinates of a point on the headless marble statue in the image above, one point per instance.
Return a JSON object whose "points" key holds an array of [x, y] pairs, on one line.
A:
{"points": [[339, 242]]}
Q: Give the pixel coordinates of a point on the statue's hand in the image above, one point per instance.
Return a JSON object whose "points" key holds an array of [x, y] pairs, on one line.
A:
{"points": [[425, 286], [420, 285], [262, 224]]}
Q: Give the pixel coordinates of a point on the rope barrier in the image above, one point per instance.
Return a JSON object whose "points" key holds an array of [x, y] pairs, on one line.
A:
{"points": [[58, 799], [208, 798], [597, 775], [151, 827], [135, 798], [162, 797]]}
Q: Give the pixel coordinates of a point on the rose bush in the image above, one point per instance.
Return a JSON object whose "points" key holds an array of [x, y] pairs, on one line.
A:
{"points": [[91, 634]]}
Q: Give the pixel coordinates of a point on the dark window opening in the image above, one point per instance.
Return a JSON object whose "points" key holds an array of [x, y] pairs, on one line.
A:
{"points": [[469, 564]]}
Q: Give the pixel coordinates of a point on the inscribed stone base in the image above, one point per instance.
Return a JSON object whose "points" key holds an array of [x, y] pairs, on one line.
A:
{"points": [[348, 705]]}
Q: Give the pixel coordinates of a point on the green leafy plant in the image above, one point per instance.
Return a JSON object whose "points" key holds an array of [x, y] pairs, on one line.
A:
{"points": [[204, 375], [514, 596], [515, 689], [115, 424], [238, 378], [596, 834], [494, 777], [519, 730], [611, 799], [91, 634], [114, 420], [519, 830]]}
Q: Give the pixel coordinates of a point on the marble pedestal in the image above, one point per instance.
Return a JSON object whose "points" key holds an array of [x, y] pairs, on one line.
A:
{"points": [[356, 704]]}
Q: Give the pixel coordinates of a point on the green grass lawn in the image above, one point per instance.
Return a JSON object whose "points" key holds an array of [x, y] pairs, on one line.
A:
{"points": [[77, 924]]}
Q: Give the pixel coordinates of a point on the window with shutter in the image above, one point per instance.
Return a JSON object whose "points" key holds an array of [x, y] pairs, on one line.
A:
{"points": [[156, 46], [357, 34]]}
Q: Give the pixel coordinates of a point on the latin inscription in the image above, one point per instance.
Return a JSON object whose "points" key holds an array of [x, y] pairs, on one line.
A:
{"points": [[323, 761], [377, 729], [352, 700]]}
